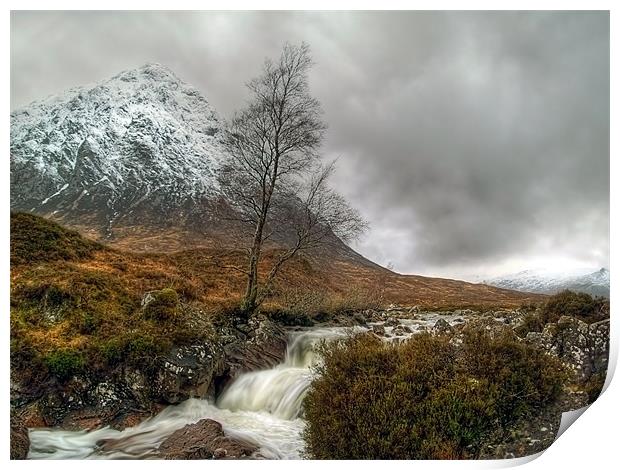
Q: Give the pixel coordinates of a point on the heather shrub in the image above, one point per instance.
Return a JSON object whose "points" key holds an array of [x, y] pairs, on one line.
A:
{"points": [[425, 398], [163, 306], [35, 239], [532, 321], [575, 304]]}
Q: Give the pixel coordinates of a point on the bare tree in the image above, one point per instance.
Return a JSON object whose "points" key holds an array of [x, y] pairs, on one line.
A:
{"points": [[273, 177]]}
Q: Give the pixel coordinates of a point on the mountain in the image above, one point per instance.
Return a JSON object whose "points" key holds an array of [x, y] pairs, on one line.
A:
{"points": [[141, 149], [133, 162], [545, 282]]}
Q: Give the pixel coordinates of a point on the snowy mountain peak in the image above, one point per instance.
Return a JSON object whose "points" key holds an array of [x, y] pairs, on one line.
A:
{"points": [[546, 281], [142, 144]]}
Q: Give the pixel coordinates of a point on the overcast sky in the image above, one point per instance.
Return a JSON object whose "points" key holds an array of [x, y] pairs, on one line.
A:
{"points": [[475, 143]]}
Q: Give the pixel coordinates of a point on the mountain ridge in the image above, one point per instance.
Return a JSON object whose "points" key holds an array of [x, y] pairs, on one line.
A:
{"points": [[543, 282], [139, 145]]}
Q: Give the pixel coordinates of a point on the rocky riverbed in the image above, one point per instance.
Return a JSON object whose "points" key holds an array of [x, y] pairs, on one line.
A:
{"points": [[240, 396]]}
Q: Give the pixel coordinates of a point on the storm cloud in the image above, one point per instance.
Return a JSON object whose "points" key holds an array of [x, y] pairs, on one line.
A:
{"points": [[475, 143]]}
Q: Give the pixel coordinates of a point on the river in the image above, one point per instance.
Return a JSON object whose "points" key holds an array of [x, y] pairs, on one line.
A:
{"points": [[260, 407]]}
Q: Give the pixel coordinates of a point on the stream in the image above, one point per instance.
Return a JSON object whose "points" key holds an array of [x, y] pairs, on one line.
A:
{"points": [[262, 407]]}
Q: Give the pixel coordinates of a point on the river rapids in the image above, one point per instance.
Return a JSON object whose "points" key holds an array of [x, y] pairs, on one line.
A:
{"points": [[262, 408]]}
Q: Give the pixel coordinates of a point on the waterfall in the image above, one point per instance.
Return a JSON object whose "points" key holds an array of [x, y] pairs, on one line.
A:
{"points": [[260, 407], [263, 408]]}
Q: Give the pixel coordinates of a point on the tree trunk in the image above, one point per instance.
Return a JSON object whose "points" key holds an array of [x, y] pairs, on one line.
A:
{"points": [[251, 292]]}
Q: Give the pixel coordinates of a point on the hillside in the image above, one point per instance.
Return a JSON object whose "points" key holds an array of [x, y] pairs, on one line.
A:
{"points": [[199, 275]]}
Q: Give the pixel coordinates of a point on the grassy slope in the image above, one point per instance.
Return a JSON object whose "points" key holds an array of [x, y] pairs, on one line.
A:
{"points": [[69, 292]]}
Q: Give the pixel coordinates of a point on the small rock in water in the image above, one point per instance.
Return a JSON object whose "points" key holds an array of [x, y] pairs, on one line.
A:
{"points": [[442, 326], [220, 453], [378, 330]]}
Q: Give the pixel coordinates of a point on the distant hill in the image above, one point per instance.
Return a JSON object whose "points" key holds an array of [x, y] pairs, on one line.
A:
{"points": [[594, 283]]}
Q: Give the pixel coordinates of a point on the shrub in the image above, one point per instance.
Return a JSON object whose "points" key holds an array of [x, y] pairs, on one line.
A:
{"points": [[132, 347], [163, 305], [575, 304], [422, 399], [64, 363], [532, 321], [35, 240]]}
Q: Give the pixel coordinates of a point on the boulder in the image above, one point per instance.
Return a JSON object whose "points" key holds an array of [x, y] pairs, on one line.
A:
{"points": [[442, 326], [584, 348], [203, 440], [391, 322]]}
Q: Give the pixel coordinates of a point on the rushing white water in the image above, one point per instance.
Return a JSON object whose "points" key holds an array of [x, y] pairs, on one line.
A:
{"points": [[261, 407]]}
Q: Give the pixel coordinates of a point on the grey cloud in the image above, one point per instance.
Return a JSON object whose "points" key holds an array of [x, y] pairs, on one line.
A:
{"points": [[466, 138]]}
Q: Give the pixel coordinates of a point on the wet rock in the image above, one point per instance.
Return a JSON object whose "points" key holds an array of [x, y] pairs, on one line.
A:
{"points": [[126, 394], [20, 443], [203, 440], [391, 322], [264, 347], [401, 330], [378, 330], [188, 371], [359, 318], [413, 310], [442, 326]]}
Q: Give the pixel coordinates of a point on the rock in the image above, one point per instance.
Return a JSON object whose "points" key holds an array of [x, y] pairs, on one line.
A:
{"points": [[391, 322], [413, 310], [203, 440], [401, 330], [598, 334], [20, 442], [359, 318], [188, 371], [442, 326], [264, 347], [378, 330], [123, 395], [584, 348]]}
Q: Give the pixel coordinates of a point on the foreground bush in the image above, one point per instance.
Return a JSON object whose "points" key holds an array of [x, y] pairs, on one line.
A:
{"points": [[574, 304], [425, 398]]}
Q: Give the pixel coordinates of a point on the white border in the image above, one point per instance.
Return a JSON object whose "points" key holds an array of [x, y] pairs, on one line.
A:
{"points": [[591, 443]]}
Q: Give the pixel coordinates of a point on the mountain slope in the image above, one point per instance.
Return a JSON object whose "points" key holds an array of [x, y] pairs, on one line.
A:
{"points": [[198, 276], [543, 282], [133, 162], [138, 149]]}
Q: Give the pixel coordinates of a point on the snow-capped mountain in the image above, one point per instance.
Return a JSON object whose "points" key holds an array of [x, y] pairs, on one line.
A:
{"points": [[545, 282], [142, 145]]}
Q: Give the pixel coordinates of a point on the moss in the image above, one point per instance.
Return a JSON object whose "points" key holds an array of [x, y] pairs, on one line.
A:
{"points": [[36, 240], [422, 399], [64, 363], [163, 305]]}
